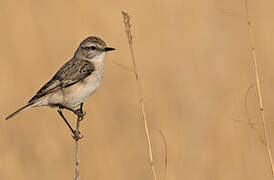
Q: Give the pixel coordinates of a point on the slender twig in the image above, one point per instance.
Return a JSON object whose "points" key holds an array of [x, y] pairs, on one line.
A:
{"points": [[246, 102], [126, 20], [77, 171], [252, 125], [243, 122], [165, 159], [231, 13], [259, 88], [249, 123], [123, 66], [76, 137]]}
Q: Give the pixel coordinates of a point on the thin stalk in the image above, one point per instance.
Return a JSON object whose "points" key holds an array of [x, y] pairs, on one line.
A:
{"points": [[77, 163], [259, 88], [76, 137], [126, 20]]}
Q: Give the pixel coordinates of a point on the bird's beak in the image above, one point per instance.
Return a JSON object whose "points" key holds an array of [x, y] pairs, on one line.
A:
{"points": [[109, 49]]}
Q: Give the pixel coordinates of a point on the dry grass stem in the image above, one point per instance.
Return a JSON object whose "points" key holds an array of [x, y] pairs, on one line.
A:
{"points": [[77, 163], [165, 159], [77, 137], [243, 122], [126, 20], [123, 66], [252, 125], [249, 25], [231, 13]]}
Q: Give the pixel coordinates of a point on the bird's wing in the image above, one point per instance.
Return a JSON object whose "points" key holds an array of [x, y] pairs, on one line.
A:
{"points": [[70, 73]]}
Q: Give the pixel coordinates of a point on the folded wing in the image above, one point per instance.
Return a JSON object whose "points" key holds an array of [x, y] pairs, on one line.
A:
{"points": [[70, 73]]}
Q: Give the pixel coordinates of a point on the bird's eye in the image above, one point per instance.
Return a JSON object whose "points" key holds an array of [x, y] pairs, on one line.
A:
{"points": [[92, 47]]}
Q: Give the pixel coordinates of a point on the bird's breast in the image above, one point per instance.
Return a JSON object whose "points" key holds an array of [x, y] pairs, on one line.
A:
{"points": [[85, 88], [79, 92]]}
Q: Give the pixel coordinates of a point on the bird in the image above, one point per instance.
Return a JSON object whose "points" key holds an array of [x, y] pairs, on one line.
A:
{"points": [[74, 82]]}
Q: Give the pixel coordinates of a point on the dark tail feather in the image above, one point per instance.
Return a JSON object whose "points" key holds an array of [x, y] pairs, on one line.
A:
{"points": [[19, 110]]}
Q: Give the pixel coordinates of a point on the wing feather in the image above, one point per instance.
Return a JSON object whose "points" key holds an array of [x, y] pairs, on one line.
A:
{"points": [[70, 73]]}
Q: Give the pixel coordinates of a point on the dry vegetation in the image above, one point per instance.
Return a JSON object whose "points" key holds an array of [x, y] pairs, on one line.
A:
{"points": [[127, 23], [195, 64], [259, 88]]}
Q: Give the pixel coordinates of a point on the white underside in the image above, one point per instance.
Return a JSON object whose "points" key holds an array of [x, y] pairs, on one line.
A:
{"points": [[77, 93]]}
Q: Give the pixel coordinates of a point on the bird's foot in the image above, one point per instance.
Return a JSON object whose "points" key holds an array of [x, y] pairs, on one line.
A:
{"points": [[80, 113], [77, 135]]}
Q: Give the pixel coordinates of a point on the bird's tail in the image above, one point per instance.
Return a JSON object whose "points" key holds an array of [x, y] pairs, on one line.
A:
{"points": [[29, 105]]}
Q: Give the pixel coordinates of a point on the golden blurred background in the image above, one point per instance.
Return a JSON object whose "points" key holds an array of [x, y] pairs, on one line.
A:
{"points": [[196, 65]]}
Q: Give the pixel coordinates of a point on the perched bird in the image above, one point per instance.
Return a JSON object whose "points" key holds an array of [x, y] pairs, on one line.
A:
{"points": [[75, 81]]}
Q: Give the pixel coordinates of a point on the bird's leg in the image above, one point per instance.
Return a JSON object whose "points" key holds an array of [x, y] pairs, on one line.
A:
{"points": [[80, 117], [67, 108], [78, 112], [63, 117], [76, 133]]}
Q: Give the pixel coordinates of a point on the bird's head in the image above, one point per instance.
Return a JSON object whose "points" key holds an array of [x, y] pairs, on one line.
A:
{"points": [[92, 49]]}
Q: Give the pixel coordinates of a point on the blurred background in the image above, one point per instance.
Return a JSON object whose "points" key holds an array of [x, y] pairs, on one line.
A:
{"points": [[196, 66]]}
